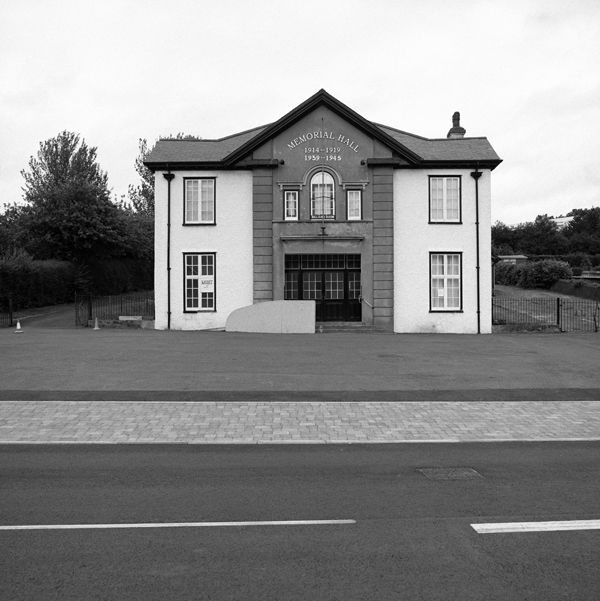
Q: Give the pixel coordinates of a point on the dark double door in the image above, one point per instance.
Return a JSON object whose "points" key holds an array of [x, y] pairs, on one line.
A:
{"points": [[333, 283]]}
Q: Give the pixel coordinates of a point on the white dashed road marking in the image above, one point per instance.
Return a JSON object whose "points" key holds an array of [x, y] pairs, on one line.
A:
{"points": [[175, 525], [536, 526]]}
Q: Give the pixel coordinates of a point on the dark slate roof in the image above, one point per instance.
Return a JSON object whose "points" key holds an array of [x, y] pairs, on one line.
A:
{"points": [[227, 151], [444, 149], [169, 150]]}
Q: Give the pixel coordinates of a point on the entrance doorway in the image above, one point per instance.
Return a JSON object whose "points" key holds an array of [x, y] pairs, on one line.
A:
{"points": [[332, 281]]}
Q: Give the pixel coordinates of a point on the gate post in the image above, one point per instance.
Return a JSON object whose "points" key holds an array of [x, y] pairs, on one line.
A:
{"points": [[89, 307], [558, 313]]}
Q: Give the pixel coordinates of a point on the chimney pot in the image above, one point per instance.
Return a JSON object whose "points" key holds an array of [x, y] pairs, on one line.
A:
{"points": [[456, 131]]}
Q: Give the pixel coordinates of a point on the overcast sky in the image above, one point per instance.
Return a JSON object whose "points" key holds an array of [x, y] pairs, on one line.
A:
{"points": [[523, 73]]}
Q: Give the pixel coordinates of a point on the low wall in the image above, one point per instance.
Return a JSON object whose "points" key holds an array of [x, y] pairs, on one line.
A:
{"points": [[579, 288], [274, 317]]}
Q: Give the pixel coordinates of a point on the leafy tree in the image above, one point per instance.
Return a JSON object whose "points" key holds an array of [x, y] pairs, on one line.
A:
{"points": [[70, 214], [583, 231], [503, 239], [542, 237], [142, 195], [13, 232]]}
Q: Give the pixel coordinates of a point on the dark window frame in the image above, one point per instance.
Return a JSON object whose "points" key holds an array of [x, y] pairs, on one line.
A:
{"points": [[310, 196], [360, 191], [437, 309], [199, 223], [297, 193], [445, 221], [200, 309]]}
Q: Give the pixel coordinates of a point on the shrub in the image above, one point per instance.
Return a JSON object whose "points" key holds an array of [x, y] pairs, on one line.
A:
{"points": [[543, 274], [35, 283], [506, 274]]}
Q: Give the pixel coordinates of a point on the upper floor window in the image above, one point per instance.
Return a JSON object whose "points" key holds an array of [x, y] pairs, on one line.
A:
{"points": [[199, 201], [322, 196], [290, 205], [444, 200], [354, 205]]}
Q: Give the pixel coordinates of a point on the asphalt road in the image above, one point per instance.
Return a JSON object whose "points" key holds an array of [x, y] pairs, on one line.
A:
{"points": [[412, 538]]}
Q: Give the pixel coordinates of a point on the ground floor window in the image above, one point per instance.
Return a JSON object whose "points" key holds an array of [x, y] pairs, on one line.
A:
{"points": [[446, 281], [332, 280], [199, 281]]}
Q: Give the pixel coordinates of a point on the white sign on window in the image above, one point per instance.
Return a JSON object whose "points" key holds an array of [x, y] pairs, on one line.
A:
{"points": [[207, 284]]}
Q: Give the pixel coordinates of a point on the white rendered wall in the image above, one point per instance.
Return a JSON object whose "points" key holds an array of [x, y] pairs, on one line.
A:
{"points": [[415, 238], [230, 239]]}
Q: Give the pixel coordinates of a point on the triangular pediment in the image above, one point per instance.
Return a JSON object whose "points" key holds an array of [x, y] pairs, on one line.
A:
{"points": [[323, 100]]}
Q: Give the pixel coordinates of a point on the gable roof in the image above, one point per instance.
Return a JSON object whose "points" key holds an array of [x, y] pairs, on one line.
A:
{"points": [[411, 150]]}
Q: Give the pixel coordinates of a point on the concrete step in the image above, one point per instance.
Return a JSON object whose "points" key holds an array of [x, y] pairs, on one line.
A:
{"points": [[356, 327]]}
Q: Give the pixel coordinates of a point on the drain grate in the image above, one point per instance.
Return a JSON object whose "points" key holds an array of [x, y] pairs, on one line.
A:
{"points": [[449, 473]]}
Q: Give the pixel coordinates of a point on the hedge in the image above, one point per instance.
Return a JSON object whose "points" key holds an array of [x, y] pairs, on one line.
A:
{"points": [[33, 283], [537, 274], [583, 260]]}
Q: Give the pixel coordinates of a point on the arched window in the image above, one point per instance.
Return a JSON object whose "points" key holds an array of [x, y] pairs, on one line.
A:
{"points": [[322, 196]]}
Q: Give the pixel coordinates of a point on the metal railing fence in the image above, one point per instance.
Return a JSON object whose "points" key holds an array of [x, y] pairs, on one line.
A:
{"points": [[567, 315], [88, 307], [6, 312]]}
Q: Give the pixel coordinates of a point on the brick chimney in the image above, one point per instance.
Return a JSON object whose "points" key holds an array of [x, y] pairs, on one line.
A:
{"points": [[456, 131]]}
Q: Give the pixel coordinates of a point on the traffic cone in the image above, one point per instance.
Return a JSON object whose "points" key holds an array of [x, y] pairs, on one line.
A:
{"points": [[18, 330], [96, 326]]}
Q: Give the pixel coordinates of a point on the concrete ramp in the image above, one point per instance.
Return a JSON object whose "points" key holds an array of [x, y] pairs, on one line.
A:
{"points": [[274, 317]]}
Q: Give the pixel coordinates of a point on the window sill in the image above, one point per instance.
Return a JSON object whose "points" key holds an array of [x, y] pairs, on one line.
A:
{"points": [[445, 222]]}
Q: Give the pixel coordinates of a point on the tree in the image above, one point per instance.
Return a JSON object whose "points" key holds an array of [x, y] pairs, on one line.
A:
{"points": [[542, 237], [13, 232], [583, 232], [70, 214], [503, 239], [142, 196]]}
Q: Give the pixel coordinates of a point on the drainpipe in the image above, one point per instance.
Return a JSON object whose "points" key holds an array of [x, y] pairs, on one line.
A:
{"points": [[476, 175], [169, 177]]}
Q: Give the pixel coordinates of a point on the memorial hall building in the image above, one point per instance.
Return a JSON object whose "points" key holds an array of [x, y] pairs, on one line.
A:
{"points": [[372, 224]]}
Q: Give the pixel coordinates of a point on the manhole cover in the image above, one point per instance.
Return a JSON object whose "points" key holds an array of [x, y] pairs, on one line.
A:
{"points": [[449, 473]]}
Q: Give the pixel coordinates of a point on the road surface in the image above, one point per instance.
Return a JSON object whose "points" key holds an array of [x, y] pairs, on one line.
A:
{"points": [[404, 534]]}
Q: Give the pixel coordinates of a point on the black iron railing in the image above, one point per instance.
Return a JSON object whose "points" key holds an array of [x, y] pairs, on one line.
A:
{"points": [[6, 312], [567, 315], [138, 304]]}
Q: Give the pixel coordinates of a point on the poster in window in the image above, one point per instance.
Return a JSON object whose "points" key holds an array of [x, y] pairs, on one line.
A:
{"points": [[207, 284]]}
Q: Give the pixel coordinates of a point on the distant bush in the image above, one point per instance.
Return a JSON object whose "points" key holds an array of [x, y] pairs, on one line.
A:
{"points": [[506, 274], [115, 276], [542, 274], [31, 283], [537, 274]]}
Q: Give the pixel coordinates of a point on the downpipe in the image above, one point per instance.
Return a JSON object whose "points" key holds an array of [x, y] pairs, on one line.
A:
{"points": [[476, 175], [169, 177]]}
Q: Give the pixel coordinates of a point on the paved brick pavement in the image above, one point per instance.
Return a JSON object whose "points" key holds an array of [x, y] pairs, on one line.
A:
{"points": [[273, 422]]}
